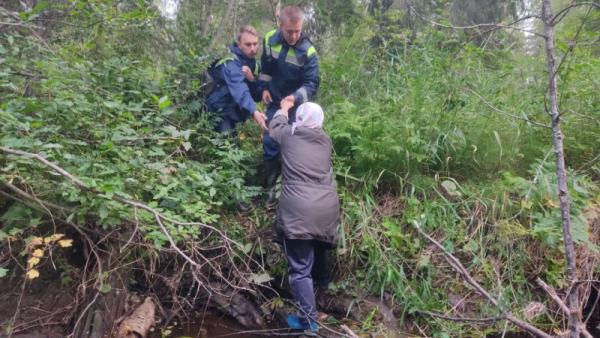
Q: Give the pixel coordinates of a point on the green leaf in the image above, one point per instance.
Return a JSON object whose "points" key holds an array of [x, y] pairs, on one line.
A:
{"points": [[103, 212], [111, 104], [451, 188], [164, 102], [247, 247], [3, 272], [105, 288]]}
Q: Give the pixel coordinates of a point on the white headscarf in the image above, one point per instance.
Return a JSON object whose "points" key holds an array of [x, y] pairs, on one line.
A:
{"points": [[309, 115]]}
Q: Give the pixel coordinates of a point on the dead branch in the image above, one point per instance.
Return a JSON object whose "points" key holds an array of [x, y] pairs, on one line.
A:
{"points": [[138, 324], [485, 321], [552, 293], [493, 26], [561, 14], [487, 103], [561, 304], [456, 265], [24, 194], [30, 27], [349, 332]]}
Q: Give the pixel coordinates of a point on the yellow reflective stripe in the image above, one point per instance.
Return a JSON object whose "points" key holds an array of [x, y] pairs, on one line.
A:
{"points": [[265, 77], [291, 52], [269, 35], [276, 48], [267, 38], [293, 60], [256, 68], [311, 50], [223, 60]]}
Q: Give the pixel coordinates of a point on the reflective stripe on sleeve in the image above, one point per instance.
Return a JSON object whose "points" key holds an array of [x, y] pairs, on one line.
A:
{"points": [[265, 77]]}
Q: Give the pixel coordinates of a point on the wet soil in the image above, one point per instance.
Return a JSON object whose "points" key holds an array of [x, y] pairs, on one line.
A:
{"points": [[213, 326]]}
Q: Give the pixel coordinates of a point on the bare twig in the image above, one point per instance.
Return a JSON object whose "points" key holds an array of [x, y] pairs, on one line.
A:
{"points": [[561, 304], [493, 26], [552, 293], [24, 194], [526, 119], [560, 14], [349, 332], [486, 321], [31, 29]]}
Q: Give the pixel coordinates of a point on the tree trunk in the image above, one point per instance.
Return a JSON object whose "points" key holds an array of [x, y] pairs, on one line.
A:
{"points": [[228, 14], [561, 172], [207, 14]]}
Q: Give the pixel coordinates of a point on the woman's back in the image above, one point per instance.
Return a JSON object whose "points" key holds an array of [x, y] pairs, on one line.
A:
{"points": [[308, 205], [306, 157]]}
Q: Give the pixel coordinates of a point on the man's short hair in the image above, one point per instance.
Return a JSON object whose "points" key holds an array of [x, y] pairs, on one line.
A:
{"points": [[291, 13], [246, 29]]}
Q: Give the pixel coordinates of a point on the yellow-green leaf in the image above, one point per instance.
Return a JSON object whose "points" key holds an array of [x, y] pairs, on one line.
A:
{"points": [[65, 243], [33, 261], [36, 241], [32, 274], [38, 253]]}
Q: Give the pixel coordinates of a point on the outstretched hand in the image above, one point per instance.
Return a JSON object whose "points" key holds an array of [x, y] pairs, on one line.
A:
{"points": [[261, 119], [266, 97], [287, 103]]}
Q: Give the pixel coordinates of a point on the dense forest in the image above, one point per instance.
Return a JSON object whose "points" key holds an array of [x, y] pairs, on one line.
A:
{"points": [[466, 150]]}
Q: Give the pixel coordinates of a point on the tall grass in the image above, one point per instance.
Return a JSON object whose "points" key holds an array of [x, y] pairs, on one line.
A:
{"points": [[453, 136]]}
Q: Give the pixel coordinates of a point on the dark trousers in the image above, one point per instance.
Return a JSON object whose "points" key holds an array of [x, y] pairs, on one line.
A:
{"points": [[228, 119], [307, 264]]}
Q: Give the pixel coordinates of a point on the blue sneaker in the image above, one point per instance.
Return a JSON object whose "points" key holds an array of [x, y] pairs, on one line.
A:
{"points": [[298, 323]]}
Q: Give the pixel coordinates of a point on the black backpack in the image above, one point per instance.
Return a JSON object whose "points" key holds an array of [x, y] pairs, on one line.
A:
{"points": [[208, 79]]}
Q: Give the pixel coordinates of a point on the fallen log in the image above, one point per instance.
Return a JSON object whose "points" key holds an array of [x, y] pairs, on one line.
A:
{"points": [[139, 323]]}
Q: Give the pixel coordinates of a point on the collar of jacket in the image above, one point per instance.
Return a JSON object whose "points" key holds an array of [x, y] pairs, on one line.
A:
{"points": [[235, 50]]}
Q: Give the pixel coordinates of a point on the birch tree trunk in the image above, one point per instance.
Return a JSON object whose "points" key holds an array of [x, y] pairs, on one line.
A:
{"points": [[563, 193]]}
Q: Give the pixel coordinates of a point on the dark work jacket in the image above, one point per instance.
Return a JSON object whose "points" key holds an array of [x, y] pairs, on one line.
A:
{"points": [[233, 93], [308, 205], [289, 70]]}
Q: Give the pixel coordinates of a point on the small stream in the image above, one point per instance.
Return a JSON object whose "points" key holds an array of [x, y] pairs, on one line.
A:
{"points": [[215, 326]]}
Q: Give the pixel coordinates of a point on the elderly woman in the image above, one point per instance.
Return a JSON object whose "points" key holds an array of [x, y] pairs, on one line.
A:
{"points": [[308, 210]]}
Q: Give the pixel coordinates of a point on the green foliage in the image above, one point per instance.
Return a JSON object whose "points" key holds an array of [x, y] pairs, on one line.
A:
{"points": [[114, 122], [541, 205], [438, 108]]}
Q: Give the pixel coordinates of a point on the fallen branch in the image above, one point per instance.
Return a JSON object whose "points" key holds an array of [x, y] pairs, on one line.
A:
{"points": [[349, 332], [561, 304], [552, 293], [138, 324], [455, 263], [487, 321], [498, 110]]}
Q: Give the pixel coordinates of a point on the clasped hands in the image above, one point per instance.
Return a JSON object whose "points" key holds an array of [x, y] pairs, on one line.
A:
{"points": [[286, 104]]}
